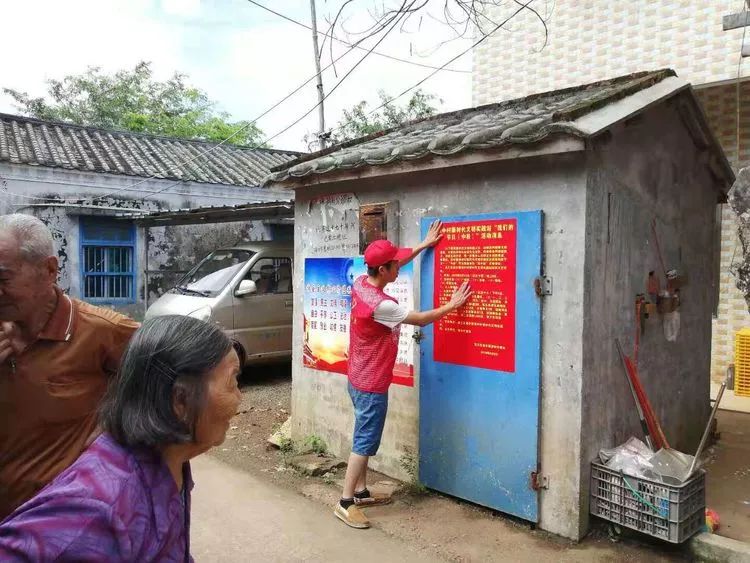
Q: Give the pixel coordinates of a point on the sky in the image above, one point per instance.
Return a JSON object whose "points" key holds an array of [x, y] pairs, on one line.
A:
{"points": [[246, 59]]}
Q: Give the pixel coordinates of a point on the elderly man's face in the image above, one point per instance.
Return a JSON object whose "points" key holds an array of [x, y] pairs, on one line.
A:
{"points": [[23, 285]]}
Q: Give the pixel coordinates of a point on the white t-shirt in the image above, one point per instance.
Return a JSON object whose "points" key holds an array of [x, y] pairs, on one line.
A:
{"points": [[390, 313]]}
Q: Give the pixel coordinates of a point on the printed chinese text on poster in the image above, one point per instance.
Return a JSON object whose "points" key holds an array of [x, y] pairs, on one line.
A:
{"points": [[482, 333], [327, 306]]}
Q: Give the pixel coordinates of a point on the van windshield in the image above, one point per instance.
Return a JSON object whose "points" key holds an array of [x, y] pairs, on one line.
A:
{"points": [[214, 272]]}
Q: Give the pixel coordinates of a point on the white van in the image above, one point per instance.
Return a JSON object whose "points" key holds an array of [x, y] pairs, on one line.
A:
{"points": [[247, 291]]}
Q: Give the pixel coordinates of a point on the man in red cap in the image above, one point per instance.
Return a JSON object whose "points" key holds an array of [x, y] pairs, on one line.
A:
{"points": [[376, 320]]}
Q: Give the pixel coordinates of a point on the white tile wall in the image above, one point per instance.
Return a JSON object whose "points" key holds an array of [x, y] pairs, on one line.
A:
{"points": [[720, 103], [593, 40]]}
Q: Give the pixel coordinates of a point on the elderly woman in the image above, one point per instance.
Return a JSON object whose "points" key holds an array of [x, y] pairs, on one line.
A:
{"points": [[127, 497]]}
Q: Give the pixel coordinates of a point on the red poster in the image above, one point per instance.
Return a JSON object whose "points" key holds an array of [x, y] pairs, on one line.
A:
{"points": [[482, 334]]}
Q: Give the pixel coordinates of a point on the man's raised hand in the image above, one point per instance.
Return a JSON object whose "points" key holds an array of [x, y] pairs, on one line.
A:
{"points": [[460, 295], [434, 234]]}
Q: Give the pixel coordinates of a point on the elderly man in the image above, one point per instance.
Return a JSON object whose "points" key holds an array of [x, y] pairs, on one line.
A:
{"points": [[56, 355]]}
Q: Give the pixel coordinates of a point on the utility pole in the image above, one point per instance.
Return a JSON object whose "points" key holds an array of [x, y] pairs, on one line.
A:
{"points": [[321, 96]]}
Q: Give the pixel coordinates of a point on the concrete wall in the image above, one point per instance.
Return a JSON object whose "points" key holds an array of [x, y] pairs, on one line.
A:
{"points": [[60, 197], [320, 403], [631, 183], [598, 39]]}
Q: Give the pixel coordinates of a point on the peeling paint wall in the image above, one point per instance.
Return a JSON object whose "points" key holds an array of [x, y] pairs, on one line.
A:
{"points": [[557, 185], [172, 251], [61, 197]]}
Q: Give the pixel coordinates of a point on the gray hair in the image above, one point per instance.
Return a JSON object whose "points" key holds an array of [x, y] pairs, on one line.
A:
{"points": [[166, 354], [33, 237]]}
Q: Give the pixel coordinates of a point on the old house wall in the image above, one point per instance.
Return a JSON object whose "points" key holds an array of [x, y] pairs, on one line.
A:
{"points": [[60, 197], [648, 169], [320, 403]]}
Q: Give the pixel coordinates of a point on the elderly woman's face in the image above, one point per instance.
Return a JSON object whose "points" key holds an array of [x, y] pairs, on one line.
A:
{"points": [[221, 402]]}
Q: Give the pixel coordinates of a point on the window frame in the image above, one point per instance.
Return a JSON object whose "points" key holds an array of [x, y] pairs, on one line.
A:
{"points": [[84, 243], [260, 258]]}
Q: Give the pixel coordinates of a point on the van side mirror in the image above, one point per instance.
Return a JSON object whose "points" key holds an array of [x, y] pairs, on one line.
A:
{"points": [[246, 287]]}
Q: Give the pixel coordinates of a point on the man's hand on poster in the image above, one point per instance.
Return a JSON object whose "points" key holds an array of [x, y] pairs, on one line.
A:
{"points": [[434, 234], [460, 296], [10, 342]]}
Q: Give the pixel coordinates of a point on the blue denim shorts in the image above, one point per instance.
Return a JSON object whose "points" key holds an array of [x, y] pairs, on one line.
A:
{"points": [[369, 419]]}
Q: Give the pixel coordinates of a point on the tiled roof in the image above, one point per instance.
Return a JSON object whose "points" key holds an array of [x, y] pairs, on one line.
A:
{"points": [[524, 120], [35, 142]]}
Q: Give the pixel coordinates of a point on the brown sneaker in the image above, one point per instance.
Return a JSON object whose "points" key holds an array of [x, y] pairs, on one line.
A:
{"points": [[351, 516], [373, 500]]}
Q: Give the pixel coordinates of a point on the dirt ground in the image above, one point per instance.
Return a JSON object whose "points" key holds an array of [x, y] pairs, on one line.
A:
{"points": [[728, 479], [446, 528]]}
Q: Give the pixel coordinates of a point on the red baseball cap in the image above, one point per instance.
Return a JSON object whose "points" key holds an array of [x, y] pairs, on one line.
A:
{"points": [[380, 252]]}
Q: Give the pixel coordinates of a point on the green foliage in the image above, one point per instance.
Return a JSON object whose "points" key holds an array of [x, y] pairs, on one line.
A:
{"points": [[357, 123], [316, 444], [133, 100], [409, 463]]}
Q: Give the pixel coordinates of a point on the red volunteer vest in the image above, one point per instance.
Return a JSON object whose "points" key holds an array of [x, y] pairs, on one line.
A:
{"points": [[373, 347]]}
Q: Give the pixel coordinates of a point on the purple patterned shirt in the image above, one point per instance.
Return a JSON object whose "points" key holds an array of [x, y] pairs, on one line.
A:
{"points": [[113, 504]]}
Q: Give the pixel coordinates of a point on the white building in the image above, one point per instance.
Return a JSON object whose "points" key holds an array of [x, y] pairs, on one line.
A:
{"points": [[596, 39]]}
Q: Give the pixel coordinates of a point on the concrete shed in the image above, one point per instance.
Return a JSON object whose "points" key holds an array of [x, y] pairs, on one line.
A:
{"points": [[565, 209]]}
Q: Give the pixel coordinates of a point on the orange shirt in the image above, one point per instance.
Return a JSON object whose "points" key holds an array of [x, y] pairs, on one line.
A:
{"points": [[50, 392]]}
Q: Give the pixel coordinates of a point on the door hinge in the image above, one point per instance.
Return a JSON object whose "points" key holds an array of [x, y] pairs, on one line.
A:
{"points": [[418, 336], [543, 286], [537, 481]]}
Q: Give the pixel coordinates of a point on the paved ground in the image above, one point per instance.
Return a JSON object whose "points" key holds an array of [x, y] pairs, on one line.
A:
{"points": [[238, 517]]}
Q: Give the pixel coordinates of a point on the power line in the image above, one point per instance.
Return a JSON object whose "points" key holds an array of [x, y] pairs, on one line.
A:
{"points": [[224, 141], [438, 69], [333, 37], [308, 112], [369, 51]]}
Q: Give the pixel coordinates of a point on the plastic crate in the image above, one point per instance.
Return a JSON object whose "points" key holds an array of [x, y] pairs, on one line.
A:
{"points": [[742, 363], [668, 512]]}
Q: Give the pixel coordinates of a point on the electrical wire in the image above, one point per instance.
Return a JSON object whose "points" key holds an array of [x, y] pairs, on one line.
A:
{"points": [[384, 104], [176, 167], [327, 95], [330, 36], [433, 73]]}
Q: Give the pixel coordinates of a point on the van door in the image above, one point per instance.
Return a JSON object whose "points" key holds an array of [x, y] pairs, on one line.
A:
{"points": [[263, 320]]}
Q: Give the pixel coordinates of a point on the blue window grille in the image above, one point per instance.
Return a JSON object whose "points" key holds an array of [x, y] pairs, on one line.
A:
{"points": [[107, 260]]}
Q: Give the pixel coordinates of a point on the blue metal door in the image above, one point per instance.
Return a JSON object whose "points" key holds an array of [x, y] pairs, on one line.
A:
{"points": [[479, 425]]}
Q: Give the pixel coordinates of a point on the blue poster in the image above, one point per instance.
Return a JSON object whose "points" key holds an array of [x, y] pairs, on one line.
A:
{"points": [[327, 306]]}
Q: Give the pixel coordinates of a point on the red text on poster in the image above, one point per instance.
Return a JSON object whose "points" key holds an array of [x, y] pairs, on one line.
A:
{"points": [[482, 333]]}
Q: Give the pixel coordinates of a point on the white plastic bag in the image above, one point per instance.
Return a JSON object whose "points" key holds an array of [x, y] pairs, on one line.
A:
{"points": [[671, 325], [632, 458]]}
